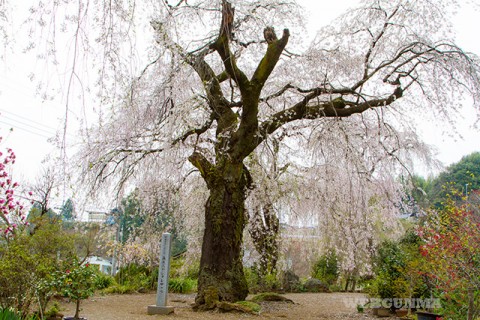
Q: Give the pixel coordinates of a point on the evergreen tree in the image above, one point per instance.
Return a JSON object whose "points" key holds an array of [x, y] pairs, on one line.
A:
{"points": [[68, 210]]}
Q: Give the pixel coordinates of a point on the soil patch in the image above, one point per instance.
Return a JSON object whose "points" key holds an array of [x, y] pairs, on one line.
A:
{"points": [[305, 306]]}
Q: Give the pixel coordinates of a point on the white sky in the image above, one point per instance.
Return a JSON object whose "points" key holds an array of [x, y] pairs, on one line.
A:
{"points": [[34, 121]]}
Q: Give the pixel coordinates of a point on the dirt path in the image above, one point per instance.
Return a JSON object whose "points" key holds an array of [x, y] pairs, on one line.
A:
{"points": [[307, 306]]}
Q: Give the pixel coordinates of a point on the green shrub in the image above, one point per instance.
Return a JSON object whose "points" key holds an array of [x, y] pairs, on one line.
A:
{"points": [[179, 270], [290, 282], [175, 267], [397, 269], [12, 314], [335, 288], [365, 283], [137, 277], [130, 272], [193, 270], [103, 281], [17, 283], [9, 314], [28, 261], [119, 289], [258, 283], [326, 268], [182, 285], [252, 279], [53, 311]]}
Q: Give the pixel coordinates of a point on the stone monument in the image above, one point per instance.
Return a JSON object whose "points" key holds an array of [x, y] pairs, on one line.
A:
{"points": [[163, 271]]}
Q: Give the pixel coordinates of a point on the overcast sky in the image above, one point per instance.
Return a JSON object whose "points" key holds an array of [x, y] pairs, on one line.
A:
{"points": [[33, 122]]}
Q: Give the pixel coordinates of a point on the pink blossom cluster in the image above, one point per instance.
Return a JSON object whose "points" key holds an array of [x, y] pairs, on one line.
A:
{"points": [[11, 210]]}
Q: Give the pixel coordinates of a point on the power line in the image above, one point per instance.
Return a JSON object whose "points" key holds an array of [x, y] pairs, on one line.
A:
{"points": [[19, 122], [24, 129], [34, 124], [26, 119]]}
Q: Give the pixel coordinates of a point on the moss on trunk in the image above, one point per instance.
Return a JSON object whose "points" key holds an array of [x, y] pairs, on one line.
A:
{"points": [[221, 269]]}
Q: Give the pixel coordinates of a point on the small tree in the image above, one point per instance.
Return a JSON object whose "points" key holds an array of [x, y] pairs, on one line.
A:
{"points": [[77, 283]]}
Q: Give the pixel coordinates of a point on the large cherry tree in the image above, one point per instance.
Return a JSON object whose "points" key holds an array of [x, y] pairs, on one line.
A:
{"points": [[223, 81]]}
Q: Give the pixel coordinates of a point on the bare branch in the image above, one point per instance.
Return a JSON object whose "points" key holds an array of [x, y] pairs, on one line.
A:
{"points": [[375, 41], [197, 131], [269, 61], [278, 93], [223, 48], [302, 110]]}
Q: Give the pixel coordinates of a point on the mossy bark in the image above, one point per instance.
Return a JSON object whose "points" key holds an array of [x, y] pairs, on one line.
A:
{"points": [[221, 275], [221, 268]]}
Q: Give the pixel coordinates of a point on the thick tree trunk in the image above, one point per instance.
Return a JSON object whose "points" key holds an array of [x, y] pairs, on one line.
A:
{"points": [[221, 275]]}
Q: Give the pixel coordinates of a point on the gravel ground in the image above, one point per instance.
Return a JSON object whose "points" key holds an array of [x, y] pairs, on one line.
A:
{"points": [[306, 306]]}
